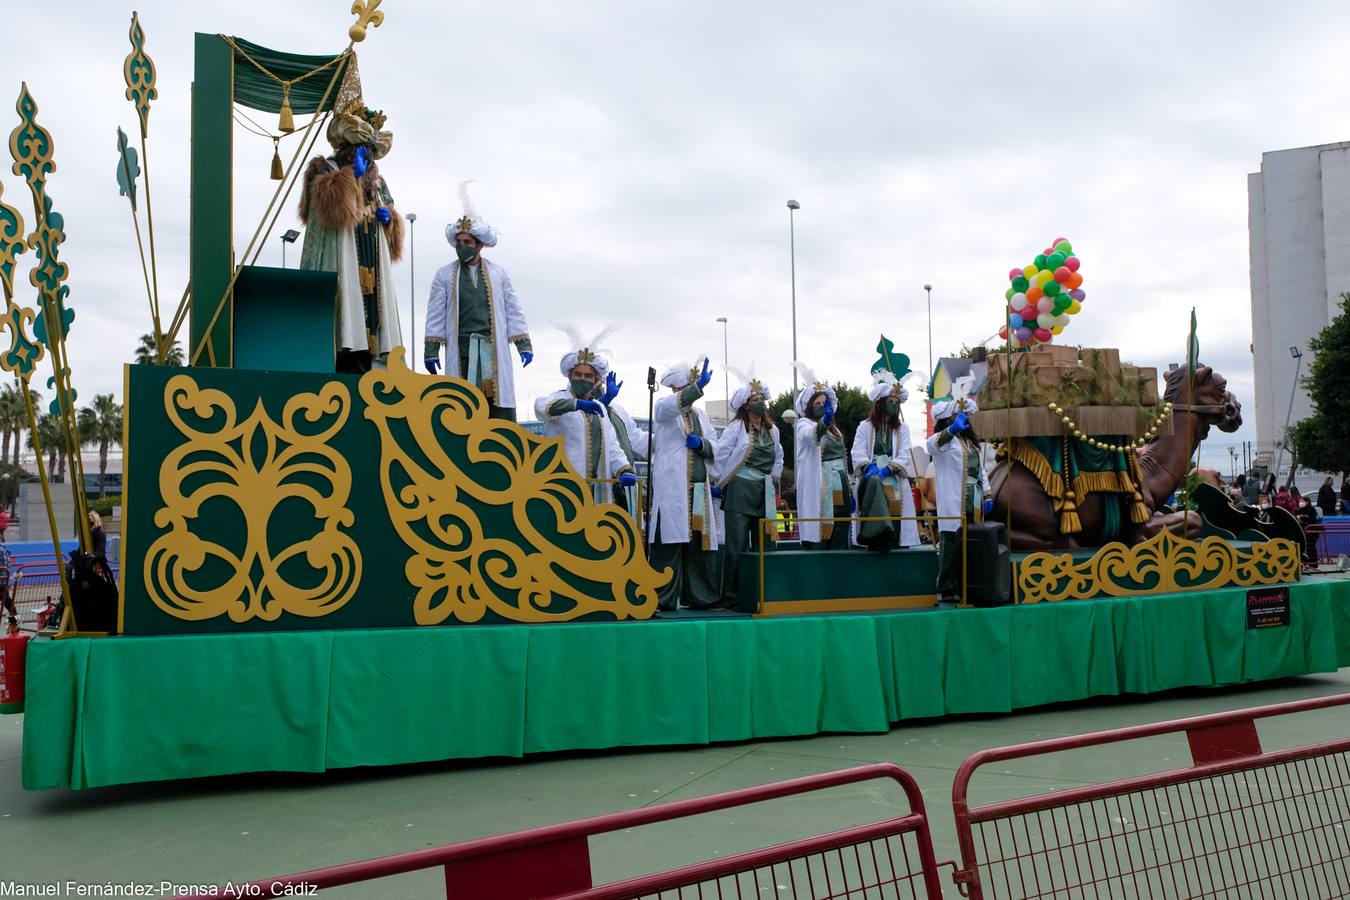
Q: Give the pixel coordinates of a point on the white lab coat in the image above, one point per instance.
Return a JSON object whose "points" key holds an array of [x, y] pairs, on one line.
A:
{"points": [[734, 446], [863, 440], [571, 427], [508, 323], [637, 436], [807, 449], [670, 475], [949, 472]]}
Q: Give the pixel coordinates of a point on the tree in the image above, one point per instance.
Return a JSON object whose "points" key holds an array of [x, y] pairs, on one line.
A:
{"points": [[101, 423], [853, 408], [14, 418], [146, 355], [1322, 441], [52, 437]]}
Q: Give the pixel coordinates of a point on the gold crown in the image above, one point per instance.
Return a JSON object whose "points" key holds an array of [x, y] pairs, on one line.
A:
{"points": [[585, 354], [693, 373], [464, 223], [756, 386]]}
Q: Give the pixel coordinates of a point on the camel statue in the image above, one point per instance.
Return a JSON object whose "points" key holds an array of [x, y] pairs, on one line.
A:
{"points": [[1158, 470]]}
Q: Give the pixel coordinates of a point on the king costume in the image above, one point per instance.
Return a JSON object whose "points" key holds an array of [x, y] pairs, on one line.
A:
{"points": [[885, 490], [961, 482], [749, 464]]}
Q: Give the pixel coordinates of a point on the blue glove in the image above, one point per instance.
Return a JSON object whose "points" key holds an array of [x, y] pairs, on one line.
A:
{"points": [[693, 442], [959, 424], [526, 357], [988, 507], [384, 215], [361, 162], [433, 365], [590, 408], [827, 417], [705, 376], [718, 492], [612, 385], [852, 503], [872, 469], [627, 479]]}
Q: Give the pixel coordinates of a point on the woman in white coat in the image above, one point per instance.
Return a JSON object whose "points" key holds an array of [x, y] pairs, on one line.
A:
{"points": [[823, 489], [588, 438], [749, 464], [883, 464], [961, 482], [682, 530]]}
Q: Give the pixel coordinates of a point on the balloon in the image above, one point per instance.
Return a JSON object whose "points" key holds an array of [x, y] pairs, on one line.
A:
{"points": [[1051, 289], [1043, 335], [1040, 260], [1003, 332], [1045, 319], [1054, 261], [1057, 330], [1063, 246], [1034, 294], [1023, 334], [1061, 320], [1020, 283], [1008, 294], [1063, 275], [1078, 295], [1073, 263], [1015, 320], [1015, 272], [1017, 301], [1061, 304], [1057, 240], [1074, 308], [1075, 280], [1030, 271], [1045, 304], [1014, 342], [1042, 277]]}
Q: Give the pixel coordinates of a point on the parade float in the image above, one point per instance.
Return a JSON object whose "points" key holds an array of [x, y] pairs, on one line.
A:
{"points": [[310, 559]]}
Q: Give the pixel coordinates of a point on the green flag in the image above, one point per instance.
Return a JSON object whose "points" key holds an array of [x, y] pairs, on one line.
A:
{"points": [[1193, 347], [890, 361], [128, 170]]}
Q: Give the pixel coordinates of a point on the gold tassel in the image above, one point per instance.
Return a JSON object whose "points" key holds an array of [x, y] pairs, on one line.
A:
{"points": [[1069, 523], [287, 121], [278, 172]]}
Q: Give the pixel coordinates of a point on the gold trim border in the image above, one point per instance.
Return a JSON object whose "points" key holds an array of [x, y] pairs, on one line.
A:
{"points": [[847, 604]]}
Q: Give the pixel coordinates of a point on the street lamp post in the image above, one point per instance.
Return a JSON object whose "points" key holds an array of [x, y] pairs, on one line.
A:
{"points": [[793, 206], [1232, 462], [1297, 354], [287, 238], [726, 374], [412, 279], [928, 289]]}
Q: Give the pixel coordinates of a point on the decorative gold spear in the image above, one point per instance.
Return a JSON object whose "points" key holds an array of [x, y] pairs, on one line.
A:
{"points": [[138, 70]]}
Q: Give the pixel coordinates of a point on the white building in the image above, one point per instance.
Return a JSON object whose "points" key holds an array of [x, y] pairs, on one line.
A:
{"points": [[1299, 235]]}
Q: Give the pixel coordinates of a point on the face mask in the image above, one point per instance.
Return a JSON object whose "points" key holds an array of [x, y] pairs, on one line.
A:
{"points": [[814, 412], [756, 409], [581, 387], [465, 254], [892, 407]]}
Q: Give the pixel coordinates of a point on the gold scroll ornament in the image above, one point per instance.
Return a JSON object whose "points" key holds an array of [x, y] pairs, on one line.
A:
{"points": [[431, 431], [256, 465], [1163, 564]]}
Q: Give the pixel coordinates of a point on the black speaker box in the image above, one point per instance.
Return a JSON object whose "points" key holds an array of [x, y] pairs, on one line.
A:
{"points": [[988, 566]]}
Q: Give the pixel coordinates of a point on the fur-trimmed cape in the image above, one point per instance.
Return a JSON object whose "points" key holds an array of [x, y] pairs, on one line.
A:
{"points": [[336, 201]]}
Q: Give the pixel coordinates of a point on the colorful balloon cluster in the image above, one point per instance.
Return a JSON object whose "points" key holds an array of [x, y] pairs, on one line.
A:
{"points": [[1043, 296]]}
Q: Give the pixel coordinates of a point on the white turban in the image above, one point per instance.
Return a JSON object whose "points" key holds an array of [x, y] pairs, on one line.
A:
{"points": [[887, 386], [944, 409], [680, 375], [810, 391], [476, 228], [584, 357], [743, 394]]}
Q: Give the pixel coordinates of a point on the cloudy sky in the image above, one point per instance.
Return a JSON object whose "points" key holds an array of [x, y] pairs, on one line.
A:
{"points": [[636, 158]]}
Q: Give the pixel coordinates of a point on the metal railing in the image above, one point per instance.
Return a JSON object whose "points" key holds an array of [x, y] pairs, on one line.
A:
{"points": [[1238, 822], [892, 858]]}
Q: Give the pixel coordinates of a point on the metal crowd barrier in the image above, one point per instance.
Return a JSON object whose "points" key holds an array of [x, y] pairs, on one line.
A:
{"points": [[892, 858], [1238, 822], [1330, 540]]}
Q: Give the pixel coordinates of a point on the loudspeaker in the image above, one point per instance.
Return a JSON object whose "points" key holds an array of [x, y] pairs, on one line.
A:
{"points": [[988, 565]]}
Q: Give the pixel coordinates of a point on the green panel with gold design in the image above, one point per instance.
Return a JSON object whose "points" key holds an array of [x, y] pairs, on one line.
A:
{"points": [[260, 501]]}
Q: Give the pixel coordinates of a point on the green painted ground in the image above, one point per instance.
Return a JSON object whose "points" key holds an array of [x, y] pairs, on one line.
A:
{"points": [[255, 826]]}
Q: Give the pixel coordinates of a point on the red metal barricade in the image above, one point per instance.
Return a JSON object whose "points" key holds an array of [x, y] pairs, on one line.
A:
{"points": [[892, 858], [1238, 822]]}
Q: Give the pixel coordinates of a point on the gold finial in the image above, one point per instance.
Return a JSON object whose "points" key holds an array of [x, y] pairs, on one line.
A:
{"points": [[586, 355], [464, 223], [367, 14], [756, 386], [138, 70]]}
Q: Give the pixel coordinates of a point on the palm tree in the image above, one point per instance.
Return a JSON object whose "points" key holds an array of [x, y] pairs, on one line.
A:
{"points": [[101, 423], [52, 437], [36, 399], [146, 355], [11, 412]]}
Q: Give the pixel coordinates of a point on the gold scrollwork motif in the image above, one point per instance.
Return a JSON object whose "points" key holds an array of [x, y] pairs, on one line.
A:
{"points": [[368, 14], [261, 467], [491, 540], [1163, 564], [24, 354], [138, 70]]}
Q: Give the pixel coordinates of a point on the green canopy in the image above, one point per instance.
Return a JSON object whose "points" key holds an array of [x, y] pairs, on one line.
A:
{"points": [[254, 89]]}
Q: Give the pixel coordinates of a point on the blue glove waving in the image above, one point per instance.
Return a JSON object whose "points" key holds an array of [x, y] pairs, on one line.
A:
{"points": [[705, 376], [432, 365], [612, 385], [693, 442], [361, 162], [988, 506], [959, 424], [627, 479], [526, 357], [827, 415], [872, 470], [590, 408], [384, 215]]}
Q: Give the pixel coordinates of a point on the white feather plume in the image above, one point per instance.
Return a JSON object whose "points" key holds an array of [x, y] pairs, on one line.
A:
{"points": [[808, 376], [466, 202], [573, 333], [963, 387]]}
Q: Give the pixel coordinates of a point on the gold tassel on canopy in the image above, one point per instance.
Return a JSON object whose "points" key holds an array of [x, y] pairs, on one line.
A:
{"points": [[278, 172], [287, 121]]}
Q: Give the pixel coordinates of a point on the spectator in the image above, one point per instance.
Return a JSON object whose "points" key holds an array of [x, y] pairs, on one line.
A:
{"points": [[1284, 500], [1251, 489], [97, 535], [1270, 485], [1326, 498], [1345, 494]]}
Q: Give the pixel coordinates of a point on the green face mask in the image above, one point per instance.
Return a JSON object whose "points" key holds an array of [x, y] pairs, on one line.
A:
{"points": [[581, 387], [814, 412], [465, 254], [756, 409], [892, 407]]}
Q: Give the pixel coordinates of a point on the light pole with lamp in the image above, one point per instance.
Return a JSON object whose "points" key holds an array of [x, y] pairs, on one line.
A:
{"points": [[412, 277], [726, 375], [288, 238], [1232, 462], [1293, 389], [793, 206], [928, 289]]}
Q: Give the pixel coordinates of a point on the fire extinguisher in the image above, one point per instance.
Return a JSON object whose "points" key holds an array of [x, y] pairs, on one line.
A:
{"points": [[13, 650]]}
